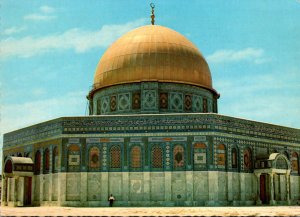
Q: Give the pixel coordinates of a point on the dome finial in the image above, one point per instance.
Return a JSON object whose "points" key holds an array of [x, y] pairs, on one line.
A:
{"points": [[152, 15]]}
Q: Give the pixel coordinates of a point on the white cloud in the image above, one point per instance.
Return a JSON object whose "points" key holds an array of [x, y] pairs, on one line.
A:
{"points": [[47, 9], [42, 15], [39, 17], [13, 30], [15, 116], [262, 97], [251, 54], [77, 39]]}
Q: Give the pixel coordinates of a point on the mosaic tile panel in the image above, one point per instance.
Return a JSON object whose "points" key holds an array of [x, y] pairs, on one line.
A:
{"points": [[178, 157], [176, 102], [104, 105], [149, 100], [157, 157], [124, 102], [199, 156], [115, 157], [136, 157]]}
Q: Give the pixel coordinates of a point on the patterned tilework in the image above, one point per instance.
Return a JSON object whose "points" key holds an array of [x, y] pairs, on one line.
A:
{"points": [[157, 157], [165, 131], [200, 156], [153, 123], [136, 157], [149, 100], [155, 97]]}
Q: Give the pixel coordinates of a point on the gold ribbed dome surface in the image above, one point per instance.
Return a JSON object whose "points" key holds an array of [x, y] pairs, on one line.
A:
{"points": [[152, 53]]}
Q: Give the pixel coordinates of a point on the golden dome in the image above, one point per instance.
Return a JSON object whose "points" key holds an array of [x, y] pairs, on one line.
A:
{"points": [[152, 53]]}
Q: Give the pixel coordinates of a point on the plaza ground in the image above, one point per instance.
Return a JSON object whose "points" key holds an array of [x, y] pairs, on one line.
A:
{"points": [[155, 211]]}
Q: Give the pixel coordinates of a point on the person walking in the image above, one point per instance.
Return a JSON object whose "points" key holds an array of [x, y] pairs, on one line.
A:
{"points": [[111, 200]]}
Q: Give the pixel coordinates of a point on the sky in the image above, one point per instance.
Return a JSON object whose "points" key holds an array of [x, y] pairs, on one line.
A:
{"points": [[49, 51]]}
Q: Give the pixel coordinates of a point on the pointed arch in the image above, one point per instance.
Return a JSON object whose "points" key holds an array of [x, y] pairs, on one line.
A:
{"points": [[247, 159], [221, 156], [156, 157], [234, 158], [136, 157], [295, 163], [115, 157], [37, 162], [55, 159], [178, 157], [46, 165], [94, 158]]}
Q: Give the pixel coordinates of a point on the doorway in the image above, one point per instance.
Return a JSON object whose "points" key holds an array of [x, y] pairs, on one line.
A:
{"points": [[263, 192], [27, 190]]}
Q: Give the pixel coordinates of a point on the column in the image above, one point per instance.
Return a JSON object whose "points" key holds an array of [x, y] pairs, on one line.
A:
{"points": [[272, 201], [288, 180], [258, 201], [41, 176], [4, 192], [15, 199], [9, 189], [50, 173]]}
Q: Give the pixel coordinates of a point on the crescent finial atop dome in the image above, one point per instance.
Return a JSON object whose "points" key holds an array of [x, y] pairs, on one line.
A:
{"points": [[152, 11]]}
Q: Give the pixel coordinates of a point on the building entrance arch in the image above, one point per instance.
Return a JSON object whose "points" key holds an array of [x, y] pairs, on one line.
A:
{"points": [[17, 181], [272, 174]]}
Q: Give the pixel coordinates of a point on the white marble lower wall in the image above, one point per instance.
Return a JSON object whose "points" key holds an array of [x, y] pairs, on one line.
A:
{"points": [[161, 188], [295, 189], [54, 187], [198, 188]]}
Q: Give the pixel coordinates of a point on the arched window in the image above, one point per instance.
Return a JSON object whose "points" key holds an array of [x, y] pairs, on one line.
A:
{"points": [[178, 157], [221, 156], [46, 161], [135, 155], [19, 155], [94, 158], [295, 163], [199, 156], [115, 157], [8, 166], [74, 158], [157, 157], [247, 159], [55, 159], [37, 162], [234, 158]]}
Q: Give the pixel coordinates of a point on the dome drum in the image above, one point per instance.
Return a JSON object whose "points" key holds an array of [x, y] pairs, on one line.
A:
{"points": [[152, 97]]}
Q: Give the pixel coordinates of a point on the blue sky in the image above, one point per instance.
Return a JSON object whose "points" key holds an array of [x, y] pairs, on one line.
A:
{"points": [[50, 49]]}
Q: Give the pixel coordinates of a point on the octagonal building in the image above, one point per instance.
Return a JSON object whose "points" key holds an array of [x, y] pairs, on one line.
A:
{"points": [[153, 138]]}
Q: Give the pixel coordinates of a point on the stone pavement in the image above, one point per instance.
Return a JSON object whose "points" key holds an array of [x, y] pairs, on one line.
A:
{"points": [[153, 211]]}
